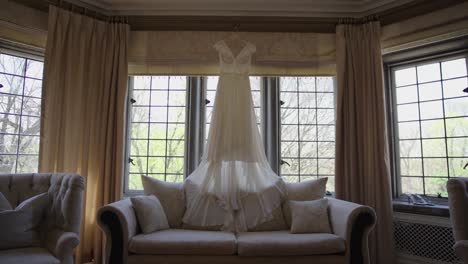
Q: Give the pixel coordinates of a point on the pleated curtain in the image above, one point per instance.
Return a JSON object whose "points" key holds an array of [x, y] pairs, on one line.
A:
{"points": [[362, 156], [82, 126]]}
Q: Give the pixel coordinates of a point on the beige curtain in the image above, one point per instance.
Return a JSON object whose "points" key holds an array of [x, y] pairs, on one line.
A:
{"points": [[82, 127], [362, 158]]}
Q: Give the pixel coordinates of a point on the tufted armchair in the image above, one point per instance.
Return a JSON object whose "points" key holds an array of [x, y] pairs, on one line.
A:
{"points": [[60, 224], [458, 202]]}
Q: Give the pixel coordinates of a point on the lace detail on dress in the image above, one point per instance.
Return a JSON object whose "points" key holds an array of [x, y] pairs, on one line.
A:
{"points": [[234, 64]]}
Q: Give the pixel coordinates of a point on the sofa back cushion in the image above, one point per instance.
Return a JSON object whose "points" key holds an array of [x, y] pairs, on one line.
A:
{"points": [[303, 191], [172, 198], [19, 187], [275, 224]]}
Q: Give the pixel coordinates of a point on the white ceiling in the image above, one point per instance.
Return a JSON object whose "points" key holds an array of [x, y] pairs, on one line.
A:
{"points": [[292, 8]]}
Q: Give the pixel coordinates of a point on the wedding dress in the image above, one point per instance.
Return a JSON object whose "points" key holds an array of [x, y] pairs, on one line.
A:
{"points": [[234, 185]]}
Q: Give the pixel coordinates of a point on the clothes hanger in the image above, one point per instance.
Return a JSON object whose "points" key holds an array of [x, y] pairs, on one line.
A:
{"points": [[235, 38]]}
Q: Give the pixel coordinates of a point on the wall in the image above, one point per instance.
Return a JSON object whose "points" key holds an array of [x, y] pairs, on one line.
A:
{"points": [[22, 24], [432, 27]]}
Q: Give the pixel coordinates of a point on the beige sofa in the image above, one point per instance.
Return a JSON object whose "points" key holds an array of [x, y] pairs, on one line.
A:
{"points": [[458, 202], [62, 216], [351, 224]]}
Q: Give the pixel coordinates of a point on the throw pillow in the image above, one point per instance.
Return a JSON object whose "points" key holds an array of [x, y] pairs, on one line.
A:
{"points": [[4, 203], [172, 198], [310, 216], [18, 227], [150, 213], [303, 191]]}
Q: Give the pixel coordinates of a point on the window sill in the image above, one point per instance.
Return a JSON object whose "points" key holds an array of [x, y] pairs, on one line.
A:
{"points": [[440, 210]]}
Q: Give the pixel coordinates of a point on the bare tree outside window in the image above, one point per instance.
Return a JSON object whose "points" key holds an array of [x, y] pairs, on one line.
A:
{"points": [[20, 110], [307, 129], [432, 124], [157, 129]]}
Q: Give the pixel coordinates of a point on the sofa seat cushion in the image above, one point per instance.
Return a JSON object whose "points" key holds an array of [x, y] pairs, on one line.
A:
{"points": [[184, 242], [283, 243], [30, 255]]}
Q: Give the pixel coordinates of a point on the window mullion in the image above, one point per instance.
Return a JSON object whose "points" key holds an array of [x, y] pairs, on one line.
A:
{"points": [[271, 125], [195, 120]]}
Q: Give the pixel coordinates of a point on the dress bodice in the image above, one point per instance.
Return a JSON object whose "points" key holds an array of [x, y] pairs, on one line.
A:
{"points": [[234, 64]]}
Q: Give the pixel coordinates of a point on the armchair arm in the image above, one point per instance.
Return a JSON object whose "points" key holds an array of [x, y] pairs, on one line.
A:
{"points": [[353, 222], [61, 244], [461, 250], [119, 224]]}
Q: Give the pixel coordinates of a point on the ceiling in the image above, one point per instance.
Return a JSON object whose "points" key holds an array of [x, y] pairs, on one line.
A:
{"points": [[319, 16], [283, 8]]}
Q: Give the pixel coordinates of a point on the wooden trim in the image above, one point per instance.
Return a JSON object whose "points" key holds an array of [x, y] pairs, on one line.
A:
{"points": [[221, 23], [261, 23]]}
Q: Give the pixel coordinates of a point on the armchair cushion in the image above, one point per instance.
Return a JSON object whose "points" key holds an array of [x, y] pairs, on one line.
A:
{"points": [[283, 243], [457, 189], [184, 242], [29, 255], [18, 227]]}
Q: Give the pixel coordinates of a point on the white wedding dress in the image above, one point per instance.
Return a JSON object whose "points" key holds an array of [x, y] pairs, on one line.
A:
{"points": [[234, 186]]}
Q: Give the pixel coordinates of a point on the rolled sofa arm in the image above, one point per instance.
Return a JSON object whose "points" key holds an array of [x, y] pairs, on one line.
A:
{"points": [[461, 250], [353, 222], [119, 224], [61, 244]]}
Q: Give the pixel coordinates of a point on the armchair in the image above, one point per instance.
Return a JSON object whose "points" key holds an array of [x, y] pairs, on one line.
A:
{"points": [[60, 225], [458, 203]]}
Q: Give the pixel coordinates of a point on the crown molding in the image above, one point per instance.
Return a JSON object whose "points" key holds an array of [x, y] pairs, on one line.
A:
{"points": [[286, 8], [295, 18]]}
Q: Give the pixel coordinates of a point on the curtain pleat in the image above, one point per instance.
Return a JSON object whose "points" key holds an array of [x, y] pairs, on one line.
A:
{"points": [[83, 106], [362, 157]]}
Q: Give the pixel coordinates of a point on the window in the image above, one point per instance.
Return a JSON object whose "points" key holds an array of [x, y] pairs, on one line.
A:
{"points": [[20, 110], [307, 128], [430, 124], [157, 128], [164, 110], [212, 83]]}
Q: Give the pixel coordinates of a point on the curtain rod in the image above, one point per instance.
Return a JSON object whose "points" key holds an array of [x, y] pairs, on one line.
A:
{"points": [[357, 21], [87, 10]]}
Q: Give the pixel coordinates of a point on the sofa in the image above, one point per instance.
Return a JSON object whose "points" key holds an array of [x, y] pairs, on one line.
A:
{"points": [[60, 221], [351, 224], [457, 189]]}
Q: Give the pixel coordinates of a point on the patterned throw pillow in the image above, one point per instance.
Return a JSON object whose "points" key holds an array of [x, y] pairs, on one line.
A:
{"points": [[310, 216], [150, 213]]}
